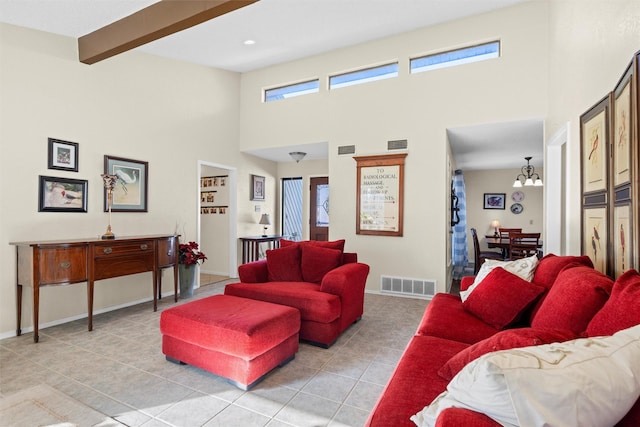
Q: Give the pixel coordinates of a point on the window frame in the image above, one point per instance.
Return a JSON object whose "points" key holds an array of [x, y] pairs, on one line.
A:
{"points": [[458, 61]]}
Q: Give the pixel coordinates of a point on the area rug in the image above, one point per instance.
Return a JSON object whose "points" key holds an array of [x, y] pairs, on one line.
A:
{"points": [[43, 405]]}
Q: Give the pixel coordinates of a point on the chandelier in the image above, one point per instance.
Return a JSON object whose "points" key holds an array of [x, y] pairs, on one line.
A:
{"points": [[529, 175]]}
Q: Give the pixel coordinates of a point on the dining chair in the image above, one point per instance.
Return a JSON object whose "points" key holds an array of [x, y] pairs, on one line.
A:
{"points": [[522, 245], [480, 256], [504, 232]]}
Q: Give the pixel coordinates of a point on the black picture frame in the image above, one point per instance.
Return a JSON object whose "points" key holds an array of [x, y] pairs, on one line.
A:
{"points": [[57, 194], [257, 187], [131, 191], [63, 155], [494, 200]]}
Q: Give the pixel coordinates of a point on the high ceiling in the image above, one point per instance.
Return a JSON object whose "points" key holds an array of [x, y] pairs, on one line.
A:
{"points": [[283, 30]]}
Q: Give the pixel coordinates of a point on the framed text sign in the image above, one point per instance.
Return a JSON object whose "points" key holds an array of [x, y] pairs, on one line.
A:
{"points": [[380, 194]]}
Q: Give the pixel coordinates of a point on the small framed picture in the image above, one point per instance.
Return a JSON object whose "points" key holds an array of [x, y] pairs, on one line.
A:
{"points": [[257, 187], [62, 194], [130, 192], [63, 155], [494, 200]]}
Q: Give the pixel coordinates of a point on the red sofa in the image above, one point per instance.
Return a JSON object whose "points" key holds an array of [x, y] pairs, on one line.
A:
{"points": [[318, 278], [567, 300]]}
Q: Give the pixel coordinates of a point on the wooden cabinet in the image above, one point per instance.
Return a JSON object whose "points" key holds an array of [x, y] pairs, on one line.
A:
{"points": [[65, 262]]}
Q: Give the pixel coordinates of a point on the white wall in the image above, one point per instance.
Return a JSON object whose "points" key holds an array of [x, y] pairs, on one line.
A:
{"points": [[418, 108], [135, 106], [591, 42]]}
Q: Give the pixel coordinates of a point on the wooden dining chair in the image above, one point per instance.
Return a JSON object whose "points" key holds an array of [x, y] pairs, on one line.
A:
{"points": [[504, 232], [523, 245], [480, 256]]}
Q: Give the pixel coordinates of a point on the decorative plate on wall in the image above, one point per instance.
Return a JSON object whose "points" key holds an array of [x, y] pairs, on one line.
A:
{"points": [[516, 208], [517, 196]]}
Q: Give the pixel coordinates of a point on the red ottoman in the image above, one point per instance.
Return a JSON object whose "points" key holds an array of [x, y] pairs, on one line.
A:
{"points": [[237, 338]]}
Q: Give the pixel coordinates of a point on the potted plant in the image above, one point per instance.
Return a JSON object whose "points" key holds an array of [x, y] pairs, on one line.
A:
{"points": [[189, 256]]}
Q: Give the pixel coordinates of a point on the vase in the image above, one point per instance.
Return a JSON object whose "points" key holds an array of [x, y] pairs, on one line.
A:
{"points": [[187, 275]]}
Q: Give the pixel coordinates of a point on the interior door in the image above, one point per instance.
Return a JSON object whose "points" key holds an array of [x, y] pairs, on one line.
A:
{"points": [[319, 209]]}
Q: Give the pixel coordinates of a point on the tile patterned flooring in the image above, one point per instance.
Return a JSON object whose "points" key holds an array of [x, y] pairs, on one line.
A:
{"points": [[119, 370]]}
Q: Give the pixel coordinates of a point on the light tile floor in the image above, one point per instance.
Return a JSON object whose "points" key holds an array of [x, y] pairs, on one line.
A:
{"points": [[119, 370]]}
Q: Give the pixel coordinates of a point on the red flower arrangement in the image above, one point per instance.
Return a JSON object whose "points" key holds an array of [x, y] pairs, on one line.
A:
{"points": [[189, 254]]}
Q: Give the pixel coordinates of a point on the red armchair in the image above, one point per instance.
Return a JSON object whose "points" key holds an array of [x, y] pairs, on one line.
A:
{"points": [[325, 284]]}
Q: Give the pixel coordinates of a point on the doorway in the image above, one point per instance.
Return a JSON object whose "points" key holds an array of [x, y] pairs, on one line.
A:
{"points": [[217, 218], [319, 209]]}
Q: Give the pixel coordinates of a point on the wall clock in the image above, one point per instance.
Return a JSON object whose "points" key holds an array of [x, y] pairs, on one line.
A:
{"points": [[516, 208], [517, 196]]}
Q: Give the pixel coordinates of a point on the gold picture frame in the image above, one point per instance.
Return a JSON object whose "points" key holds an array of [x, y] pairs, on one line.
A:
{"points": [[380, 194]]}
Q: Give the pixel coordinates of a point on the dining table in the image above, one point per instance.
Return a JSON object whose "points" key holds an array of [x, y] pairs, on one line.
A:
{"points": [[502, 243]]}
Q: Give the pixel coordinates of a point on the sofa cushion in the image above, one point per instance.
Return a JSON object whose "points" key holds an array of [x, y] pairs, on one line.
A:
{"points": [[523, 268], [622, 310], [550, 265], [504, 340], [445, 317], [575, 297], [336, 244], [283, 264], [318, 261], [313, 304], [413, 381], [597, 378], [502, 298]]}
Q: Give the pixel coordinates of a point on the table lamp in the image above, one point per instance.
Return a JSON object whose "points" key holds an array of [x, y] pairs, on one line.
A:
{"points": [[264, 220], [109, 184], [495, 224]]}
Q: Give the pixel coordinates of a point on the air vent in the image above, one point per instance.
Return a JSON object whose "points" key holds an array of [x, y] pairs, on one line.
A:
{"points": [[346, 149], [398, 144], [408, 287]]}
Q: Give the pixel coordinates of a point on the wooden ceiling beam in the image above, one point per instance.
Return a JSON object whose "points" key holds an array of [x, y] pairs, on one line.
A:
{"points": [[151, 23]]}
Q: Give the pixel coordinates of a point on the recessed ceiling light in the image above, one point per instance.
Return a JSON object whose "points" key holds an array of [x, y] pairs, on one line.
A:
{"points": [[249, 42]]}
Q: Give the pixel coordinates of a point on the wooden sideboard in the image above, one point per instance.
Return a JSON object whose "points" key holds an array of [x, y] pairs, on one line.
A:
{"points": [[64, 262]]}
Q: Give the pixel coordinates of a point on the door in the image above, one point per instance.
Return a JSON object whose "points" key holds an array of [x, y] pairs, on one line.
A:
{"points": [[319, 209]]}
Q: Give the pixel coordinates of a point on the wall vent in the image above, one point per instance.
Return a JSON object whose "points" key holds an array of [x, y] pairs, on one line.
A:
{"points": [[346, 149], [398, 144], [408, 287]]}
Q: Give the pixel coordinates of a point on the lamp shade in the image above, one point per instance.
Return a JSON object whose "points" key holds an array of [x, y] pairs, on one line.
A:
{"points": [[495, 224], [265, 220], [297, 155]]}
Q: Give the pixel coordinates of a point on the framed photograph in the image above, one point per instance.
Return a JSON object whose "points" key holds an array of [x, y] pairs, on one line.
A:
{"points": [[257, 187], [380, 194], [622, 114], [130, 192], [595, 238], [63, 155], [494, 200], [62, 194], [594, 140]]}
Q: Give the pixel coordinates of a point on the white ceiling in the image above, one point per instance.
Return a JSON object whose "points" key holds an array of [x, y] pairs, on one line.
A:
{"points": [[497, 145], [284, 30]]}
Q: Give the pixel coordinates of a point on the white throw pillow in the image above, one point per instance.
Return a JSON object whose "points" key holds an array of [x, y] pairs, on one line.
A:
{"points": [[584, 382], [524, 268]]}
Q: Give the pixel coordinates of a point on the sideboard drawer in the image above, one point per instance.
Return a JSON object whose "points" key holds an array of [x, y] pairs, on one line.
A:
{"points": [[114, 249], [62, 265], [167, 252]]}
